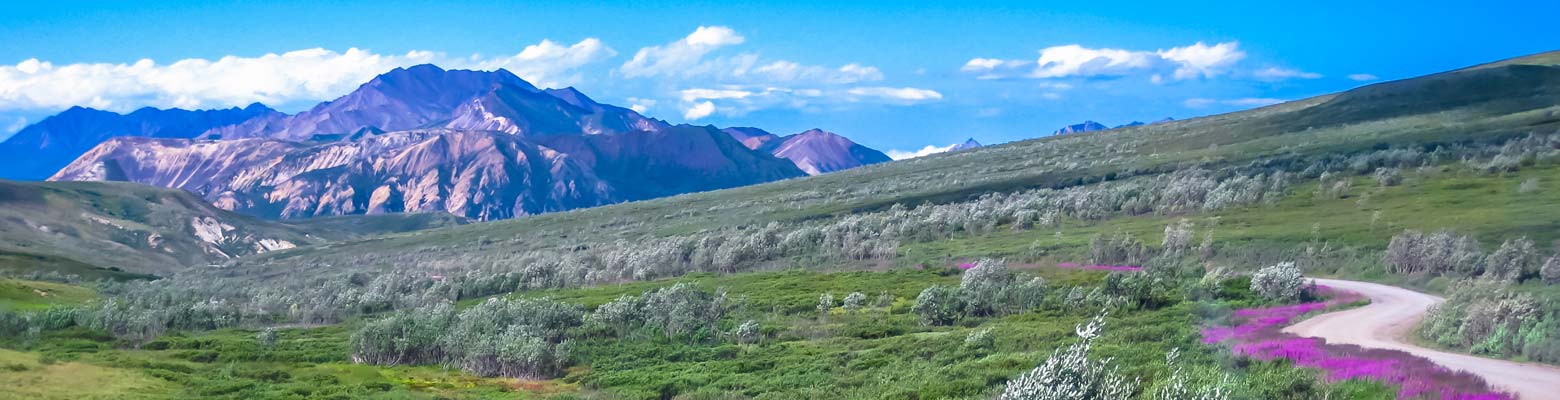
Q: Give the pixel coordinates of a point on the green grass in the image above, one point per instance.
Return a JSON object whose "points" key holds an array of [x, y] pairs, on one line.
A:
{"points": [[20, 295], [27, 376], [306, 363], [872, 354]]}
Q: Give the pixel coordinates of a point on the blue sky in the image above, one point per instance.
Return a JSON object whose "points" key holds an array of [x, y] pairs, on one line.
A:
{"points": [[891, 75]]}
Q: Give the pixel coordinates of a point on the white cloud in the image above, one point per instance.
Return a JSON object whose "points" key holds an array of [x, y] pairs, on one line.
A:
{"points": [[991, 68], [549, 64], [1363, 77], [301, 75], [21, 122], [898, 95], [1198, 60], [736, 100], [691, 95], [692, 72], [786, 71], [640, 105], [699, 111], [1279, 74], [1201, 60], [1254, 101], [690, 58], [1199, 102], [679, 55], [924, 151], [1075, 60]]}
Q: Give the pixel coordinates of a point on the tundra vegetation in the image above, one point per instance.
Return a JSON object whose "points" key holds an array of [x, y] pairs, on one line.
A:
{"points": [[762, 291]]}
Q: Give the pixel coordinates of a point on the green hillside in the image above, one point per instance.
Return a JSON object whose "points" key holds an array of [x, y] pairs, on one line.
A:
{"points": [[126, 231]]}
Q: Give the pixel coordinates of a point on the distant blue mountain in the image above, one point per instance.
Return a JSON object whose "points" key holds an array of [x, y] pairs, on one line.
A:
{"points": [[1140, 123], [968, 144], [39, 150], [1086, 126]]}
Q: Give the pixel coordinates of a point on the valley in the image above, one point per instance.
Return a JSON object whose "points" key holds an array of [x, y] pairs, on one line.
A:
{"points": [[464, 234]]}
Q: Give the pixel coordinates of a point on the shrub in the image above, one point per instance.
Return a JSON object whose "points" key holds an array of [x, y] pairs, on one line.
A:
{"points": [[1439, 253], [1282, 282], [1070, 374], [519, 338], [1514, 260], [938, 305], [1180, 386], [884, 300], [825, 303], [619, 315], [748, 332], [1388, 176], [1178, 237], [1487, 317], [1530, 185], [682, 309], [1551, 269], [267, 338], [854, 301], [985, 288], [980, 340]]}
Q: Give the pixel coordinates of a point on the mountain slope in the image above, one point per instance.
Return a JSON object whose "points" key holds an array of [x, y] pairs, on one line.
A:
{"points": [[816, 151], [753, 138], [426, 96], [39, 150], [681, 159], [482, 175], [522, 110], [73, 226], [404, 98], [480, 145]]}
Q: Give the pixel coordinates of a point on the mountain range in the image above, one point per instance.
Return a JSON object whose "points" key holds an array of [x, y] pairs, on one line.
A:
{"points": [[1091, 126], [476, 144], [815, 151], [38, 150], [1086, 126]]}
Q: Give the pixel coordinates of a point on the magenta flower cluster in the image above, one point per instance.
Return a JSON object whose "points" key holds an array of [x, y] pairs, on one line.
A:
{"points": [[1257, 334], [1123, 268]]}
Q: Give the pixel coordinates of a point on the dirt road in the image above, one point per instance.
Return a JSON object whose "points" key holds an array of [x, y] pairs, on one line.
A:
{"points": [[1394, 311]]}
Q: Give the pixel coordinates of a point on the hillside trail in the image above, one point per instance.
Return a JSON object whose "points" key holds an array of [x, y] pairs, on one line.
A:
{"points": [[1387, 321]]}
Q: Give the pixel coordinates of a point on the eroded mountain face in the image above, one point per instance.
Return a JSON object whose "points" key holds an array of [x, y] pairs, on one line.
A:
{"points": [[815, 151], [482, 175], [482, 145]]}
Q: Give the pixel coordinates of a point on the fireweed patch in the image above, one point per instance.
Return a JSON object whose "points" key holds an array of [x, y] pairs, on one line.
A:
{"points": [[1257, 334], [1098, 267]]}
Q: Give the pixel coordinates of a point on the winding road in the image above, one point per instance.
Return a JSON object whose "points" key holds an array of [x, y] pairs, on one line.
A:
{"points": [[1386, 322]]}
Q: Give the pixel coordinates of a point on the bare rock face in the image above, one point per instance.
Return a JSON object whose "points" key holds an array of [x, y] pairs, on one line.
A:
{"points": [[753, 138], [815, 151], [482, 145], [529, 112], [479, 175], [482, 175]]}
